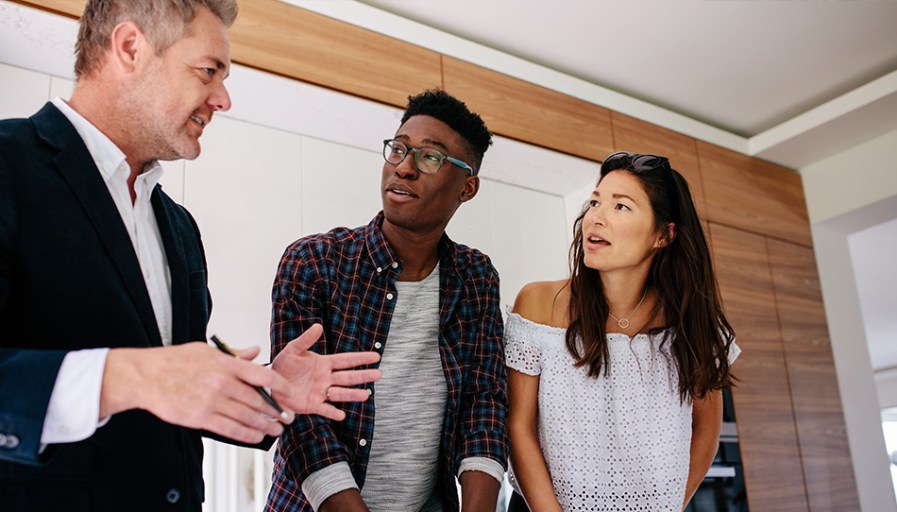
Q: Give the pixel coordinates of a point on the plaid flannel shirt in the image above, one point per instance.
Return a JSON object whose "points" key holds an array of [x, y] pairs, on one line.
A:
{"points": [[345, 279]]}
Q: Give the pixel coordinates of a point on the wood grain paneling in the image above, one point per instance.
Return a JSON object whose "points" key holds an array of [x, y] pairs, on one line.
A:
{"points": [[286, 40], [766, 429], [636, 136], [71, 8], [280, 38], [814, 385], [524, 111], [754, 195]]}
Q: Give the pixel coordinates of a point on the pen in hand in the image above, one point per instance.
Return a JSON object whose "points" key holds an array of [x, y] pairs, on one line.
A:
{"points": [[267, 396]]}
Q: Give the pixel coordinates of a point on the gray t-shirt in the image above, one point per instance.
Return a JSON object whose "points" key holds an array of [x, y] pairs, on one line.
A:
{"points": [[410, 405]]}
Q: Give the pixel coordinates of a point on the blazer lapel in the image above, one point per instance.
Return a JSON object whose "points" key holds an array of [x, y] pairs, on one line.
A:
{"points": [[77, 168], [177, 265]]}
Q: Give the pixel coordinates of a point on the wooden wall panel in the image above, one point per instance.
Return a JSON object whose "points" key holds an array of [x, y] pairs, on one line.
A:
{"points": [[70, 8], [283, 39], [766, 431], [814, 385], [637, 136], [280, 38], [753, 195], [524, 111]]}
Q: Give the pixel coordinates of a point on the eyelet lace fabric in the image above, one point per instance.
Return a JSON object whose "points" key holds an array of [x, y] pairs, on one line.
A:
{"points": [[619, 442]]}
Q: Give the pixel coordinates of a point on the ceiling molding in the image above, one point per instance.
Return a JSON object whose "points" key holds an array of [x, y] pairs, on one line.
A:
{"points": [[863, 113], [846, 121], [392, 25]]}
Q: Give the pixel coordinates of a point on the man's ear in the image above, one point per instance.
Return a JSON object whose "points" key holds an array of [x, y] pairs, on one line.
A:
{"points": [[471, 187], [128, 46]]}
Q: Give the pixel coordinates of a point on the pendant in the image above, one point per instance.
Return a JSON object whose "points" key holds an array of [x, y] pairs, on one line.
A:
{"points": [[623, 323]]}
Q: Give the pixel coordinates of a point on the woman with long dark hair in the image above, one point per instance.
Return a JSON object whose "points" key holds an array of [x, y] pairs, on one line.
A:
{"points": [[615, 374]]}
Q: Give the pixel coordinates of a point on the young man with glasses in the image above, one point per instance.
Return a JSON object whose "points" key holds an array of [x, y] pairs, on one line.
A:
{"points": [[399, 286]]}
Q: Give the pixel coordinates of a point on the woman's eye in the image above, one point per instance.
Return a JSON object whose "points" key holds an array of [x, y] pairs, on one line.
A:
{"points": [[593, 203], [621, 206]]}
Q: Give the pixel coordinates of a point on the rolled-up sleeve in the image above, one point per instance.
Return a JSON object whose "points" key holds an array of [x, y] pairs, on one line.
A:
{"points": [[484, 406]]}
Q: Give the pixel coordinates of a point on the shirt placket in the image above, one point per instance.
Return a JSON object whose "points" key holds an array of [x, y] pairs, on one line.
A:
{"points": [[382, 278]]}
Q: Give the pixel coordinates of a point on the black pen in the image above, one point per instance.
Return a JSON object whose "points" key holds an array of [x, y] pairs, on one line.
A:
{"points": [[267, 396]]}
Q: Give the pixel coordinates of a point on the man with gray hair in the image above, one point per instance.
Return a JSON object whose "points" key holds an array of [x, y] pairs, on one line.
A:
{"points": [[103, 281]]}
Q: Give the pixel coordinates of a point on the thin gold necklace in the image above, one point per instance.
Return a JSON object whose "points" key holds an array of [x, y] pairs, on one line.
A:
{"points": [[623, 323]]}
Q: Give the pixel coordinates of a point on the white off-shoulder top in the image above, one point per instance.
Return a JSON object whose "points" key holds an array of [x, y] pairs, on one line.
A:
{"points": [[619, 442]]}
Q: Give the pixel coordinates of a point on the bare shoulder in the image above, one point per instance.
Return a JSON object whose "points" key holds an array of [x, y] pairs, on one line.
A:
{"points": [[544, 302]]}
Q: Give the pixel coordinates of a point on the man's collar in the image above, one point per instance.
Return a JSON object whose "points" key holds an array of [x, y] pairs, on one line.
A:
{"points": [[107, 156], [383, 256]]}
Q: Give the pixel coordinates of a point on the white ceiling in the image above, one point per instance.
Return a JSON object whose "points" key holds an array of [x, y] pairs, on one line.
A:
{"points": [[743, 66]]}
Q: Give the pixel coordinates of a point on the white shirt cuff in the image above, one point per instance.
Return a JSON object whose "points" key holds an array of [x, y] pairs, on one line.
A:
{"points": [[486, 465], [326, 482], [74, 408]]}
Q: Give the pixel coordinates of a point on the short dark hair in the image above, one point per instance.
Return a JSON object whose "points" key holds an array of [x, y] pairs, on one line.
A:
{"points": [[453, 112]]}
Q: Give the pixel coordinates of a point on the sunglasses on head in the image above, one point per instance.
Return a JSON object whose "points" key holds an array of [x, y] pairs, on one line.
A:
{"points": [[633, 161]]}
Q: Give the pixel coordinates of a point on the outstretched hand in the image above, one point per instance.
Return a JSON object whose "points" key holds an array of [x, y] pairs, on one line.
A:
{"points": [[317, 380], [195, 386]]}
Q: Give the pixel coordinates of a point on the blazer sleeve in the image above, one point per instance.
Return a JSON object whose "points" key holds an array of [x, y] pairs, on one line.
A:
{"points": [[27, 378]]}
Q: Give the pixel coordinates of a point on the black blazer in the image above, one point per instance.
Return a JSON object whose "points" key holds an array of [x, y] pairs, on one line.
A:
{"points": [[69, 279]]}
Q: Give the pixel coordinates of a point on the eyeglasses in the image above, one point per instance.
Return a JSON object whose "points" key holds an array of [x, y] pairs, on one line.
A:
{"points": [[633, 161], [427, 160]]}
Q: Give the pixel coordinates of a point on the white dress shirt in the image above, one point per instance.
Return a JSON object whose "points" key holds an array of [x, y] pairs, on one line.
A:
{"points": [[70, 417]]}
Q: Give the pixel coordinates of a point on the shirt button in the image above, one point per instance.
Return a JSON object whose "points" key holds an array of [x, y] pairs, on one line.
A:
{"points": [[379, 269], [395, 264], [370, 391], [378, 345], [173, 496], [389, 296], [363, 442]]}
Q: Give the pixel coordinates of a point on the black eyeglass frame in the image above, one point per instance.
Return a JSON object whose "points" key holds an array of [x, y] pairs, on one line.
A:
{"points": [[417, 152]]}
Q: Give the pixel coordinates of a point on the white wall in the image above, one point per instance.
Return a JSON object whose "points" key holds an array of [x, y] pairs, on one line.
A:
{"points": [[292, 159], [886, 382], [851, 180], [846, 193]]}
